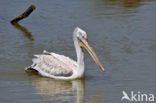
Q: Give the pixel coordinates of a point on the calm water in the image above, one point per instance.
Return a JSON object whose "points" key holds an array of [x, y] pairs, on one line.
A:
{"points": [[122, 33]]}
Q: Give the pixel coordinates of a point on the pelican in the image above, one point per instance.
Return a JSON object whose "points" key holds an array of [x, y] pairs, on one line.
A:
{"points": [[57, 66]]}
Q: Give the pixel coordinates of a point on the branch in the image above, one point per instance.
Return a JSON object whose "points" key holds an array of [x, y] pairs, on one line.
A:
{"points": [[23, 15]]}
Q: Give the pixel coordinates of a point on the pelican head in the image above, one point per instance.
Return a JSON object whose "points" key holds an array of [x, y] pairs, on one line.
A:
{"points": [[81, 38]]}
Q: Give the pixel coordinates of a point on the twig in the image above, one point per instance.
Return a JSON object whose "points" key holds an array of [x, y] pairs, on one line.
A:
{"points": [[23, 15]]}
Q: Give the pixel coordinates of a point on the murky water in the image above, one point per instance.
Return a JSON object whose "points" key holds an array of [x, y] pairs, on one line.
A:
{"points": [[122, 33]]}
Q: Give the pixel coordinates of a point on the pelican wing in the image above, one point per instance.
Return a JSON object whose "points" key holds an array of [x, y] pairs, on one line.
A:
{"points": [[53, 64]]}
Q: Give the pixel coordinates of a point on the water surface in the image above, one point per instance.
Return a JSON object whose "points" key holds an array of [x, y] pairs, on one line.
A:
{"points": [[122, 33]]}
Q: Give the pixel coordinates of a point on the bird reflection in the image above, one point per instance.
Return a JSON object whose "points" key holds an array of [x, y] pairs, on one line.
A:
{"points": [[23, 30], [96, 98], [58, 90]]}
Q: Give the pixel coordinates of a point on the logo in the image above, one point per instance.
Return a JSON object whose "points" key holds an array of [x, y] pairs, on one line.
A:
{"points": [[137, 97]]}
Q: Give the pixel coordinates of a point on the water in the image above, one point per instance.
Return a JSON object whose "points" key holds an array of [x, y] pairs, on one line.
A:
{"points": [[122, 33]]}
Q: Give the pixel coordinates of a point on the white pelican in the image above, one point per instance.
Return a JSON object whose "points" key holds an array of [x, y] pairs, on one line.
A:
{"points": [[57, 66]]}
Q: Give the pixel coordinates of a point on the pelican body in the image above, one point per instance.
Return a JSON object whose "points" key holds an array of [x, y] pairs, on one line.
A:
{"points": [[57, 66]]}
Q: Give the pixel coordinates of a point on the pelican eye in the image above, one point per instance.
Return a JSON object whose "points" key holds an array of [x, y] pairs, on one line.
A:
{"points": [[78, 39]]}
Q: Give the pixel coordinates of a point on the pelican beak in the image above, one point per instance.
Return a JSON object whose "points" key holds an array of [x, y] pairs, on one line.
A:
{"points": [[83, 43]]}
